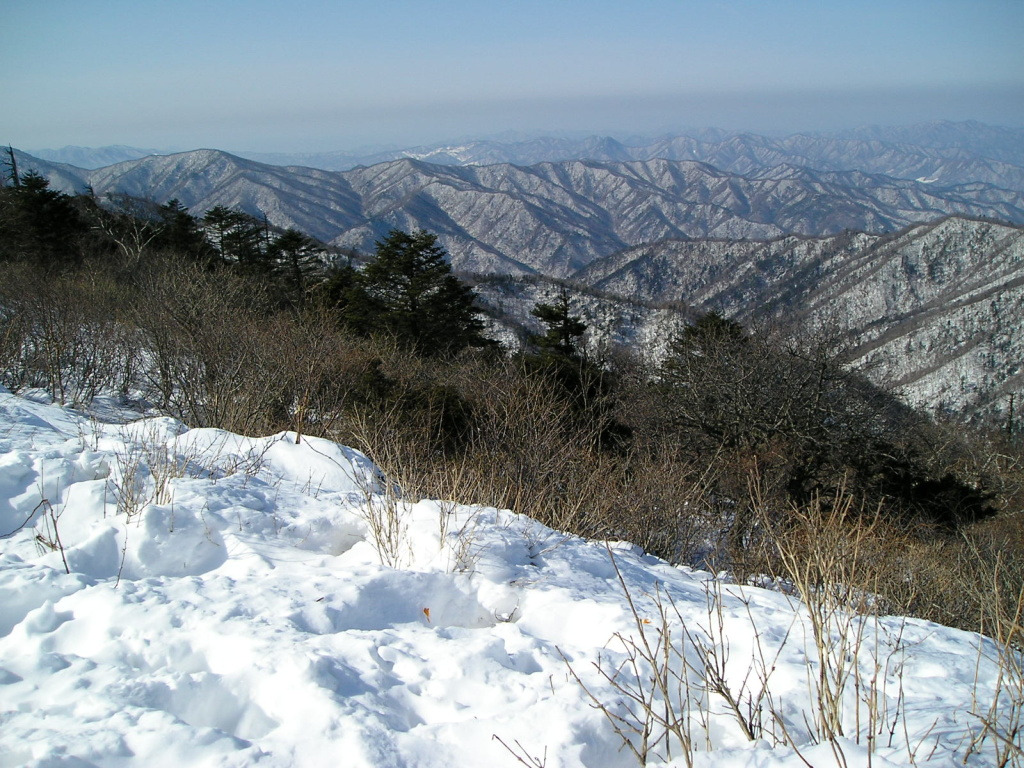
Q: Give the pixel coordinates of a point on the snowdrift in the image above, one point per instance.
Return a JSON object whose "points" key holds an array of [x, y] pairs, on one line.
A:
{"points": [[189, 597]]}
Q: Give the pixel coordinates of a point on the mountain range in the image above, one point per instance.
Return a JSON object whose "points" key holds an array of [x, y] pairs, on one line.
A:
{"points": [[94, 157], [936, 310], [551, 218], [941, 152], [919, 279]]}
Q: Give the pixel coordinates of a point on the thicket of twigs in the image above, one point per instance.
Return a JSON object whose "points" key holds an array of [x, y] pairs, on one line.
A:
{"points": [[709, 460]]}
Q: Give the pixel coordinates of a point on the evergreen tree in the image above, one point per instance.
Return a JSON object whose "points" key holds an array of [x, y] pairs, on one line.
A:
{"points": [[342, 292], [564, 330], [558, 354], [40, 224], [295, 263], [712, 328], [808, 422], [219, 222], [240, 239], [180, 233], [408, 291]]}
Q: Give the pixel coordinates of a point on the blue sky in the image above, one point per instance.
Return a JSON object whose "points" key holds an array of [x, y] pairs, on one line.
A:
{"points": [[315, 76]]}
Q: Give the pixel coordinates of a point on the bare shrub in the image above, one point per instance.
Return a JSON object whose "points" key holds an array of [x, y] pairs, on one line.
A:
{"points": [[522, 756], [145, 469], [520, 446], [849, 565], [130, 223], [210, 347], [386, 515], [669, 677], [322, 367], [825, 553], [66, 334], [48, 531], [14, 335], [651, 711], [998, 588], [497, 433]]}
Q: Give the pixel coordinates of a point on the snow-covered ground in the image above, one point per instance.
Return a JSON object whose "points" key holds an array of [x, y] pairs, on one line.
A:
{"points": [[176, 597]]}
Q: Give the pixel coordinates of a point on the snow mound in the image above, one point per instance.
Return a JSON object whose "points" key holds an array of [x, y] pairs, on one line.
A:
{"points": [[174, 596]]}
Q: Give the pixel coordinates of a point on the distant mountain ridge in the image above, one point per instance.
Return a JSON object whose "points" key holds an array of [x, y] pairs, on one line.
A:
{"points": [[944, 152], [550, 218], [919, 279], [93, 157]]}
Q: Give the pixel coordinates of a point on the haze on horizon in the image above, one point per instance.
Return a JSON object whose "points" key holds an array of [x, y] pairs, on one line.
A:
{"points": [[309, 76]]}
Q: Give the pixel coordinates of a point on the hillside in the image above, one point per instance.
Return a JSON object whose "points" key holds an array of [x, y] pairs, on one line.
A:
{"points": [[934, 310], [175, 596]]}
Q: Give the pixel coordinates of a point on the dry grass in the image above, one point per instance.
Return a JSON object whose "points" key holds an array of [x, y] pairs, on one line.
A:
{"points": [[668, 676]]}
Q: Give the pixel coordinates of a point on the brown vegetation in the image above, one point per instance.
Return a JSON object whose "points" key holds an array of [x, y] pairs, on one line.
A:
{"points": [[711, 461]]}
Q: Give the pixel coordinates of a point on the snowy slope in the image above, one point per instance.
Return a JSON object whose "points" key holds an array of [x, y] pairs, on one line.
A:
{"points": [[934, 310], [226, 605]]}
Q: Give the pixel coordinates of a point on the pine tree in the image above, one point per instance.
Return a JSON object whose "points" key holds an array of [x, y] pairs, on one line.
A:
{"points": [[411, 294], [240, 239], [564, 330], [560, 357], [40, 224], [180, 233], [294, 264], [219, 221]]}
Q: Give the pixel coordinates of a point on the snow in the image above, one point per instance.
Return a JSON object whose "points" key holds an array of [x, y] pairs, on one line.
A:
{"points": [[226, 603]]}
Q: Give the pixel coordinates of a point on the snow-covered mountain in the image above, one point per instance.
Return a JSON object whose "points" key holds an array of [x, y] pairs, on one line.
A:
{"points": [[936, 310], [551, 218], [471, 152], [998, 143], [943, 153], [612, 319], [93, 157], [65, 178], [188, 597]]}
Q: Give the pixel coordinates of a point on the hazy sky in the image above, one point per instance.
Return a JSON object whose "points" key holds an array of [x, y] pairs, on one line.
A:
{"points": [[305, 76]]}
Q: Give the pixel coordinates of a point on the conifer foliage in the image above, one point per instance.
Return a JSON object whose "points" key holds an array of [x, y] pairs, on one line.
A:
{"points": [[564, 330], [295, 265], [39, 224], [809, 422], [558, 355], [408, 291]]}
